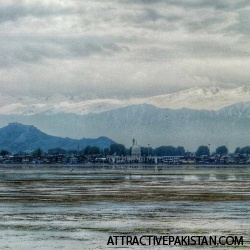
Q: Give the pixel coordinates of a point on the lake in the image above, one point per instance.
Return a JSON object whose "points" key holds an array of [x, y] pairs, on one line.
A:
{"points": [[79, 207]]}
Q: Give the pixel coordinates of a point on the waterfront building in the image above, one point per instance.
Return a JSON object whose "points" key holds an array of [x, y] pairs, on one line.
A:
{"points": [[135, 156], [135, 150]]}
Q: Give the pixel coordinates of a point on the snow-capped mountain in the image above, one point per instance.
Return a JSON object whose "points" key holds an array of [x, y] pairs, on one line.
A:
{"points": [[209, 98]]}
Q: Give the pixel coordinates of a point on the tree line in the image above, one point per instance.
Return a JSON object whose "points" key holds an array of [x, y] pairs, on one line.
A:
{"points": [[120, 149]]}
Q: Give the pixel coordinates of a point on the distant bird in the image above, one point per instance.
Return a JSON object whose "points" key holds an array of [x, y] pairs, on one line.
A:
{"points": [[160, 169], [72, 170]]}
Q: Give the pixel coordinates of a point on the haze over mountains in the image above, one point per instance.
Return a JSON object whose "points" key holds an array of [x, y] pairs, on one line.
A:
{"points": [[150, 125], [209, 98]]}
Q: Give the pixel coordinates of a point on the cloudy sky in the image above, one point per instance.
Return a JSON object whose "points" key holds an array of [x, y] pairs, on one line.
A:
{"points": [[121, 48]]}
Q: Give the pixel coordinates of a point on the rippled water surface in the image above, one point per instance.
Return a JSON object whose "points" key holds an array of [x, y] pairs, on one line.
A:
{"points": [[79, 207]]}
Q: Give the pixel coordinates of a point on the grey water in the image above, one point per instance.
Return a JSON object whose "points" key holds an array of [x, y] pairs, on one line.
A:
{"points": [[79, 207]]}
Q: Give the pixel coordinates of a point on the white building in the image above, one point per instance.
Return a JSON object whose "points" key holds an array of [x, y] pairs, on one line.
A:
{"points": [[135, 156], [135, 150]]}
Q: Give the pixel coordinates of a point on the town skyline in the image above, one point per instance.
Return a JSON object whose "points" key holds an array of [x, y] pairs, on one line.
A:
{"points": [[16, 138]]}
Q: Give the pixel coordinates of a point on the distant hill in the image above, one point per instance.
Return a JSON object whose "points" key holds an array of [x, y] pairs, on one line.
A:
{"points": [[18, 137]]}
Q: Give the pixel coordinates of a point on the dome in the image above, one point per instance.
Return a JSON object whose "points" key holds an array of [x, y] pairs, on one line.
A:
{"points": [[136, 151]]}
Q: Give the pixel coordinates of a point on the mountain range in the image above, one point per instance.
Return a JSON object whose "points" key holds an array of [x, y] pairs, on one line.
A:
{"points": [[148, 125], [192, 117], [209, 98], [17, 137]]}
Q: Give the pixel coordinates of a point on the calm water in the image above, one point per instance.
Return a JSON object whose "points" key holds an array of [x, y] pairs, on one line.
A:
{"points": [[48, 207]]}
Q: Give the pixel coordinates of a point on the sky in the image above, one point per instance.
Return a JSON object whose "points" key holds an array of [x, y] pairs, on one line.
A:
{"points": [[121, 48]]}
